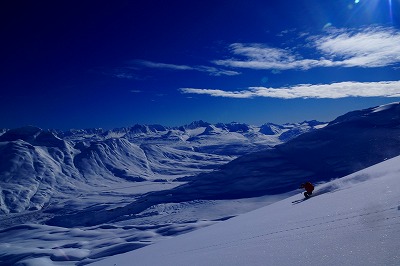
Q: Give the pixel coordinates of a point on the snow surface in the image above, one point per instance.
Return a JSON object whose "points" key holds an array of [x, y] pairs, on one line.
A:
{"points": [[31, 243], [354, 220]]}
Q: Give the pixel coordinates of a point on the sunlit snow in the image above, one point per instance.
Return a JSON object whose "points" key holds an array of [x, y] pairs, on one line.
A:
{"points": [[354, 220]]}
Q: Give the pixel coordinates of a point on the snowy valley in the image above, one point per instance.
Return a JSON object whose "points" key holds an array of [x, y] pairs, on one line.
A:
{"points": [[77, 197]]}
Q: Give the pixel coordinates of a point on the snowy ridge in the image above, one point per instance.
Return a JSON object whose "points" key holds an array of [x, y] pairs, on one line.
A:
{"points": [[31, 174], [384, 107]]}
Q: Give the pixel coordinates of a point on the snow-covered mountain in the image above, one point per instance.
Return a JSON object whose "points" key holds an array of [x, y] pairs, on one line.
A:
{"points": [[225, 139], [350, 143], [36, 164]]}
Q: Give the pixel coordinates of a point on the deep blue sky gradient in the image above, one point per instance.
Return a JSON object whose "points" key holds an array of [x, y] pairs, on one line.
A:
{"points": [[80, 64]]}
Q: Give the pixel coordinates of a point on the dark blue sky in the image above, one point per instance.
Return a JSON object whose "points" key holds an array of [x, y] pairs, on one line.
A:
{"points": [[81, 64]]}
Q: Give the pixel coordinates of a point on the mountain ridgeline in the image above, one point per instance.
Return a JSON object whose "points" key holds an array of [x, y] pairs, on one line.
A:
{"points": [[222, 161], [36, 164]]}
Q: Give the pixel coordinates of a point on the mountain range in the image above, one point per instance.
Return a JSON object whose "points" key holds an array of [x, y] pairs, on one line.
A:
{"points": [[348, 144], [36, 164]]}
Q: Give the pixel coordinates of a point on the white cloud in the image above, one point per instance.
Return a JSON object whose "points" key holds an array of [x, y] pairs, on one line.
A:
{"points": [[213, 71], [218, 93], [370, 47], [318, 91], [257, 56]]}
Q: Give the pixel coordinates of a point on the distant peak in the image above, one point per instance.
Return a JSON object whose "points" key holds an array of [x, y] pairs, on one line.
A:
{"points": [[197, 124], [24, 133]]}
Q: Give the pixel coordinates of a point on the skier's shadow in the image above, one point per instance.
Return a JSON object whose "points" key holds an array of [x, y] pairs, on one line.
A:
{"points": [[299, 201], [317, 193]]}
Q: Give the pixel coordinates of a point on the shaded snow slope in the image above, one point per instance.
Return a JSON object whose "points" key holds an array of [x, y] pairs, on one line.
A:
{"points": [[354, 220], [29, 175]]}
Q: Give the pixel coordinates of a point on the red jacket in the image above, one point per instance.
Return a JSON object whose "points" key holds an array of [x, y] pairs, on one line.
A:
{"points": [[308, 187]]}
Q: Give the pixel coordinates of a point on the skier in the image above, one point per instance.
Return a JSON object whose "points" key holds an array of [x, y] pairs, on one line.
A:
{"points": [[309, 189]]}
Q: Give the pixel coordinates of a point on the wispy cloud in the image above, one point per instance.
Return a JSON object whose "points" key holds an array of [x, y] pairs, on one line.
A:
{"points": [[369, 47], [318, 91], [118, 72], [213, 71], [151, 64], [372, 47], [124, 75], [219, 93], [258, 56]]}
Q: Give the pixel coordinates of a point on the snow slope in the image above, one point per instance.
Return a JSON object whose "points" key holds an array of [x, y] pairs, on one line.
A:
{"points": [[354, 220]]}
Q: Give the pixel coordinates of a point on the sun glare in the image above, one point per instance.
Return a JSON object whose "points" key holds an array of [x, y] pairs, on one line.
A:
{"points": [[372, 6], [390, 11]]}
